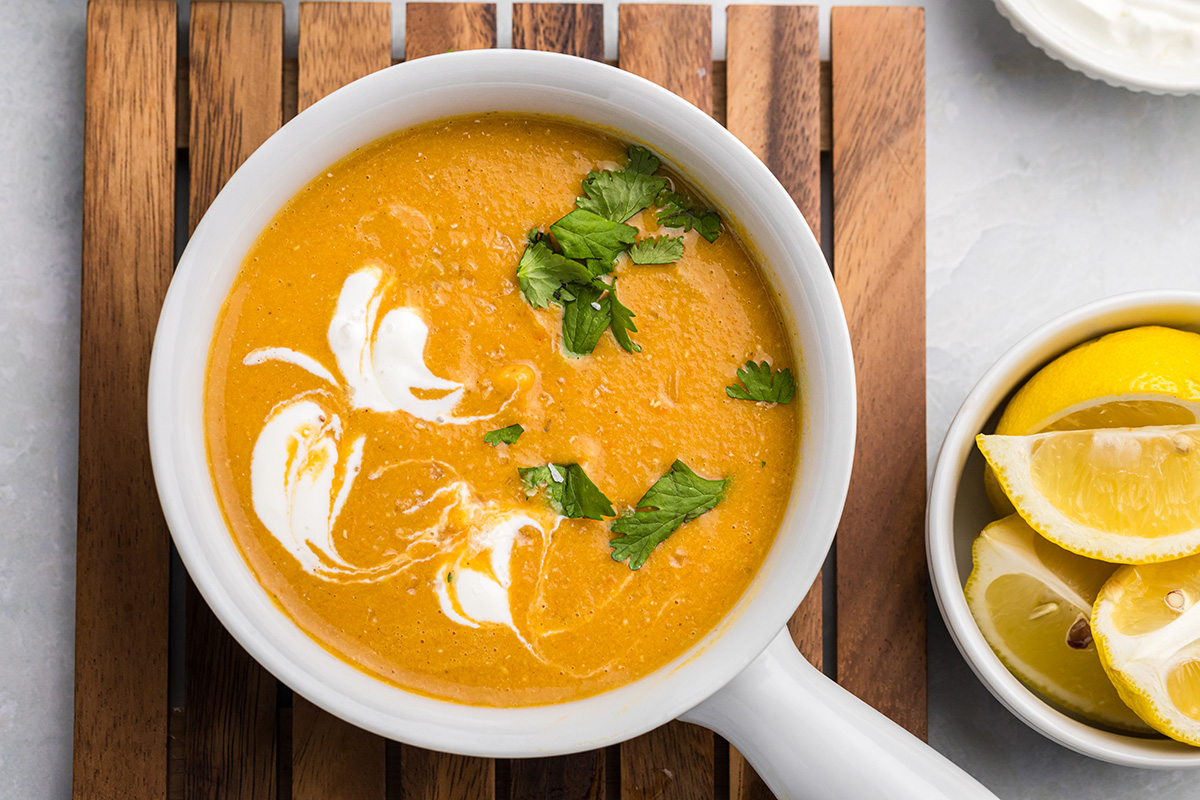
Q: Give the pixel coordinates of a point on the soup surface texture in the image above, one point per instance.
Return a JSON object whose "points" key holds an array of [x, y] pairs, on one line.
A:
{"points": [[377, 331]]}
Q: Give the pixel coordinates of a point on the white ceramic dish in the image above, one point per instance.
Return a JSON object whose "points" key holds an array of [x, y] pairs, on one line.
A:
{"points": [[959, 510], [805, 735], [1080, 41]]}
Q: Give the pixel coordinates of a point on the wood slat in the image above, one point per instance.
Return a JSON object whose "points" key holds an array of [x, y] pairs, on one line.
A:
{"points": [[123, 567], [432, 28], [671, 45], [334, 759], [429, 775], [236, 64], [773, 91], [576, 29], [878, 57], [339, 43]]}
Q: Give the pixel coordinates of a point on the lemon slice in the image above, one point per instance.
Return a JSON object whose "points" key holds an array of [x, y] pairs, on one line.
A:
{"points": [[1129, 379], [1130, 495], [1146, 625], [1032, 600]]}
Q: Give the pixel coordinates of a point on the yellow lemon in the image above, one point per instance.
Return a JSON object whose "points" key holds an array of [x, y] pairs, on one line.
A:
{"points": [[1146, 625], [1032, 601], [1130, 495], [1129, 379]]}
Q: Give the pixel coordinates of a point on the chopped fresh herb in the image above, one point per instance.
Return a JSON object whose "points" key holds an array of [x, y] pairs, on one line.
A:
{"points": [[679, 211], [642, 160], [568, 489], [677, 497], [622, 322], [762, 386], [619, 195], [543, 272], [507, 435], [764, 463], [585, 318], [658, 250], [449, 577], [583, 235]]}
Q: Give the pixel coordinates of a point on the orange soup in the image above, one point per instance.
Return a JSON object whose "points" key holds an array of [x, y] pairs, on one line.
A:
{"points": [[480, 417]]}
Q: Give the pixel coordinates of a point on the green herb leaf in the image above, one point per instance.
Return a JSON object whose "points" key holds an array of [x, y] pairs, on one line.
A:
{"points": [[619, 195], [507, 435], [622, 322], [585, 318], [658, 250], [762, 386], [583, 235], [642, 160], [679, 211], [677, 497], [568, 489], [543, 272]]}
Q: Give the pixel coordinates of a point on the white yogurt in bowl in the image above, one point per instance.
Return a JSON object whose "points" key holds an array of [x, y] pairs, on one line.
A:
{"points": [[1144, 45]]}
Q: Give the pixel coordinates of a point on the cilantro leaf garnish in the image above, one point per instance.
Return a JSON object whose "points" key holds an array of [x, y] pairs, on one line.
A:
{"points": [[507, 435], [658, 250], [622, 322], [619, 195], [542, 272], [642, 160], [568, 489], [583, 235], [679, 211], [585, 318], [763, 386], [677, 497]]}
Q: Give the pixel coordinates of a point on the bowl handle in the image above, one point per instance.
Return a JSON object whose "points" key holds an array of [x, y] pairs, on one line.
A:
{"points": [[810, 739]]}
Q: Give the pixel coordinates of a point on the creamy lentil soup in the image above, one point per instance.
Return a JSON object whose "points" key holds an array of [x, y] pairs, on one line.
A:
{"points": [[377, 332]]}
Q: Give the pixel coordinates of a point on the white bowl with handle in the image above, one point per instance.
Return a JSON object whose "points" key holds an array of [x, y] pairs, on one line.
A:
{"points": [[959, 510], [745, 679]]}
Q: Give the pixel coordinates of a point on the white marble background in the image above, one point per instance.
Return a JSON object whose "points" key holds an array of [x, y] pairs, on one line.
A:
{"points": [[1045, 190]]}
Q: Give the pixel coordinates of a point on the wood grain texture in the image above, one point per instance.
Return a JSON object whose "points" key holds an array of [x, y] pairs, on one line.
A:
{"points": [[339, 43], [576, 29], [670, 45], [432, 28], [580, 776], [334, 759], [236, 63], [773, 92], [429, 775], [674, 762], [878, 57], [122, 568], [773, 105]]}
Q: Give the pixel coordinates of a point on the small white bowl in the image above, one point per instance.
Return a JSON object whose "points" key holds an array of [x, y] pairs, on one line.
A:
{"points": [[1069, 32], [959, 510]]}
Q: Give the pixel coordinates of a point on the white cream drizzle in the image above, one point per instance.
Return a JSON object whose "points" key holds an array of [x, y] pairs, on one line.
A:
{"points": [[299, 459], [471, 597]]}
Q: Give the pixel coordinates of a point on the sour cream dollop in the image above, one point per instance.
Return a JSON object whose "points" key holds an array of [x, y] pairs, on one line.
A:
{"points": [[1163, 33]]}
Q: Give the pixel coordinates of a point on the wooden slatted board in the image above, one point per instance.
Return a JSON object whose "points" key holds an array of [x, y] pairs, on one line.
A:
{"points": [[243, 736]]}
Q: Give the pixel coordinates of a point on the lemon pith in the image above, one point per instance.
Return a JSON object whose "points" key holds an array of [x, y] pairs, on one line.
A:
{"points": [[1032, 601], [1129, 495], [1146, 625]]}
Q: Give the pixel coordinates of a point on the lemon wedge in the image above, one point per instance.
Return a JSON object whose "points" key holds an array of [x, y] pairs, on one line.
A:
{"points": [[1130, 495], [1129, 379], [1032, 600], [1146, 625]]}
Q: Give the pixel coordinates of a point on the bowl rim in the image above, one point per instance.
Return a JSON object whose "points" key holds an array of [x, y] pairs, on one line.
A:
{"points": [[1005, 375], [801, 278], [1077, 53]]}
